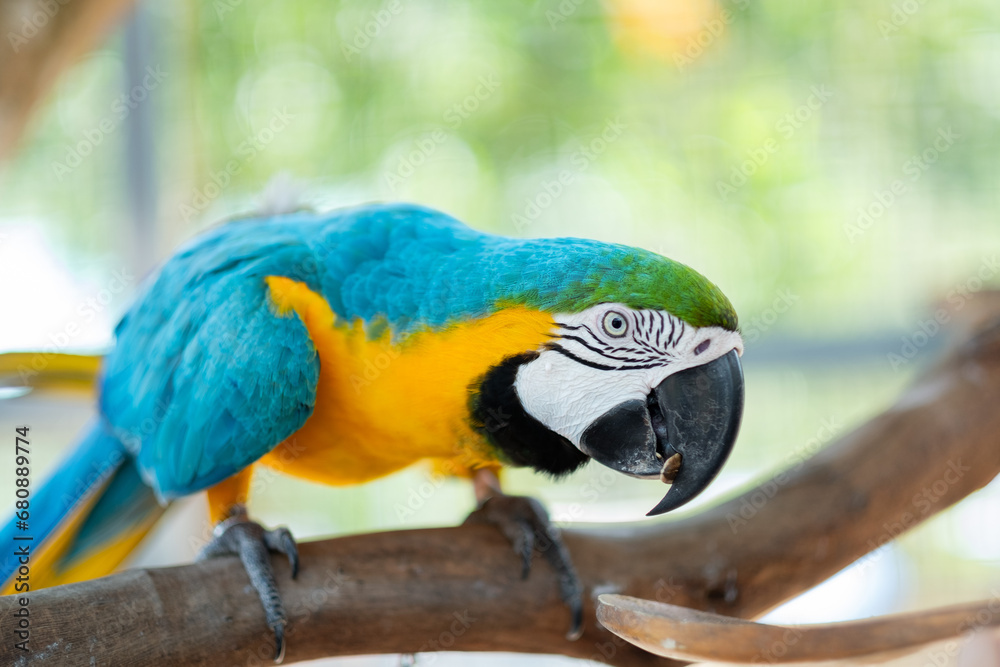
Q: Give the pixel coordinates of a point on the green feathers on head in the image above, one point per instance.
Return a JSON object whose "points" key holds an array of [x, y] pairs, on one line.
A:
{"points": [[642, 279]]}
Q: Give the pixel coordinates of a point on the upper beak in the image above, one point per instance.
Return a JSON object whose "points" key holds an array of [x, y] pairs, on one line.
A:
{"points": [[683, 433]]}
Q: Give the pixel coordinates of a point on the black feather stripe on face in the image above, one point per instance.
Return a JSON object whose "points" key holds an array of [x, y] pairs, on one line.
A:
{"points": [[647, 343], [521, 440]]}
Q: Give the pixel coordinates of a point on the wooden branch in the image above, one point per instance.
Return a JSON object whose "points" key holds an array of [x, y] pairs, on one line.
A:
{"points": [[459, 588], [41, 38], [700, 636]]}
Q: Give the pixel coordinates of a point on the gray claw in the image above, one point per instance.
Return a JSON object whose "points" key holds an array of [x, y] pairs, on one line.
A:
{"points": [[247, 539], [281, 541], [526, 525], [279, 643]]}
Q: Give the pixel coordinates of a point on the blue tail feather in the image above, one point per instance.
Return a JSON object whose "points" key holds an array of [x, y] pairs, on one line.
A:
{"points": [[90, 464]]}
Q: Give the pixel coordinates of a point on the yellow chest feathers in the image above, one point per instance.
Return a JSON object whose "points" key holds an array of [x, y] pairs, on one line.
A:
{"points": [[380, 407]]}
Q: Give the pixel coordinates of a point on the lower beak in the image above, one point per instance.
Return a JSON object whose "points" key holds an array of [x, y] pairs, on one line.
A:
{"points": [[683, 433]]}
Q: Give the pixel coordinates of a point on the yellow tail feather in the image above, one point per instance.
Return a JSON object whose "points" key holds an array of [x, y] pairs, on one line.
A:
{"points": [[103, 561], [50, 370], [47, 568], [46, 555]]}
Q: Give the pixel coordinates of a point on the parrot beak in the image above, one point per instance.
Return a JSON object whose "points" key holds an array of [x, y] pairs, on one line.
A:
{"points": [[682, 434]]}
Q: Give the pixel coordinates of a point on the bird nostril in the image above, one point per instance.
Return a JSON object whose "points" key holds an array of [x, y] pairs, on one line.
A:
{"points": [[702, 346]]}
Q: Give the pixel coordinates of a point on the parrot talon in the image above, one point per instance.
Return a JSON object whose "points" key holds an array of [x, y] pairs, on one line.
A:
{"points": [[239, 536], [526, 525], [279, 643], [281, 540]]}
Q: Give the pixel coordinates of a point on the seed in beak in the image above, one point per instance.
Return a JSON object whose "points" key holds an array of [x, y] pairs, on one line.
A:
{"points": [[670, 468]]}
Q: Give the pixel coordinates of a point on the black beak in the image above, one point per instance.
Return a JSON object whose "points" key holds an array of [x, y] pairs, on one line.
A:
{"points": [[683, 433]]}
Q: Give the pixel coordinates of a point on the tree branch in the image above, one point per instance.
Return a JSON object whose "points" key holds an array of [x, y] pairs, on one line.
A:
{"points": [[459, 588]]}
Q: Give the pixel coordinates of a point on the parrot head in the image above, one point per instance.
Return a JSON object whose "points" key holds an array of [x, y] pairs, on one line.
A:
{"points": [[641, 373]]}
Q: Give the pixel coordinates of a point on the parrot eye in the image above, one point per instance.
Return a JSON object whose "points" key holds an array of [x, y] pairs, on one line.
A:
{"points": [[615, 324], [702, 346]]}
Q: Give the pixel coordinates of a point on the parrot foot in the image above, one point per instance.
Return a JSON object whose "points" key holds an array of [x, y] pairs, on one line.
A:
{"points": [[526, 524], [239, 536]]}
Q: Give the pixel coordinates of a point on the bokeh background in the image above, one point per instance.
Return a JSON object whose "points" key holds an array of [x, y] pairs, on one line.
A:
{"points": [[831, 165]]}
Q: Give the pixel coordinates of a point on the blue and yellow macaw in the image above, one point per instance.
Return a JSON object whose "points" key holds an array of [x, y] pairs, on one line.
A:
{"points": [[344, 346]]}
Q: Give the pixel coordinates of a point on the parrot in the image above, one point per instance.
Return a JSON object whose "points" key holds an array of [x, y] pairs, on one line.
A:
{"points": [[345, 345]]}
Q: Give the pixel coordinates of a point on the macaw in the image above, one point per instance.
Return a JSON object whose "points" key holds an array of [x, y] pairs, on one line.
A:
{"points": [[344, 346]]}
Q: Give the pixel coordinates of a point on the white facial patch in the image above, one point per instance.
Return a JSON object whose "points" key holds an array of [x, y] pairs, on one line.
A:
{"points": [[609, 354]]}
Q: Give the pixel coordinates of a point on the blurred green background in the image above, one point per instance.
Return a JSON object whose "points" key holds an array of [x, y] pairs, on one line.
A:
{"points": [[832, 166]]}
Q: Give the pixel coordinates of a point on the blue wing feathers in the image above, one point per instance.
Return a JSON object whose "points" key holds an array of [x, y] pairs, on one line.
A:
{"points": [[205, 377]]}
